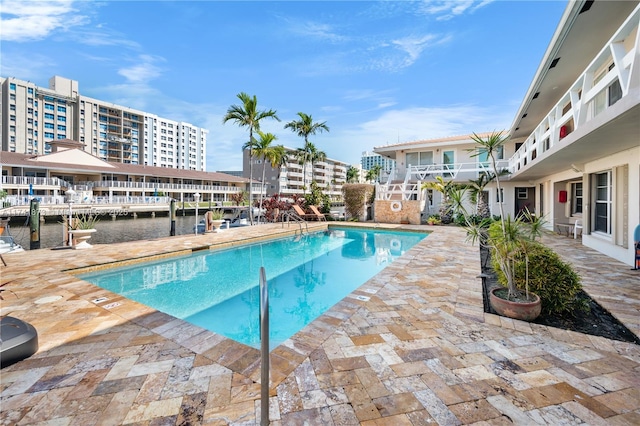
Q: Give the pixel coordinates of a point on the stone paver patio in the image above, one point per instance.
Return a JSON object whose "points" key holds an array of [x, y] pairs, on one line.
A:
{"points": [[419, 351]]}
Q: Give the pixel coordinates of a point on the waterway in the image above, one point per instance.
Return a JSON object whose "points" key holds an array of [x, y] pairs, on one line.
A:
{"points": [[124, 228]]}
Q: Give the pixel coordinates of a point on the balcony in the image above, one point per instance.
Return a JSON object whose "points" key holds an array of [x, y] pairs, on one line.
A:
{"points": [[601, 105]]}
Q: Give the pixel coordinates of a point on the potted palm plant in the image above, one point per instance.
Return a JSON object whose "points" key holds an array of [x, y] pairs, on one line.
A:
{"points": [[81, 228], [214, 219], [509, 241]]}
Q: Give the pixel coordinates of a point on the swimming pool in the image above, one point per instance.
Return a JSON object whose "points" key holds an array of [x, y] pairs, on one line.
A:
{"points": [[219, 290]]}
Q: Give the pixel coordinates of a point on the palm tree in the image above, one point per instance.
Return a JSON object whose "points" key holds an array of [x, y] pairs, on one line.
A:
{"points": [[445, 188], [476, 189], [374, 172], [352, 174], [491, 146], [248, 115], [303, 128], [262, 149], [316, 155]]}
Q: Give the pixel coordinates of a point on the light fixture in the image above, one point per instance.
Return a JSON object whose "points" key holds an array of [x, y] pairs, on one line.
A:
{"points": [[196, 197], [69, 193]]}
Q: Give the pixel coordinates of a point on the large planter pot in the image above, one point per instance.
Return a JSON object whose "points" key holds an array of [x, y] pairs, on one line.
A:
{"points": [[525, 311], [80, 237], [217, 224]]}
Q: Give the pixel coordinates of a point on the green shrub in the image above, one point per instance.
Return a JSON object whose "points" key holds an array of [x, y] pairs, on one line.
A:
{"points": [[553, 280]]}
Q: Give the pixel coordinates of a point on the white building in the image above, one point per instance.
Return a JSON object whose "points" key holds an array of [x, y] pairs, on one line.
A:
{"points": [[370, 159], [574, 147], [32, 116], [292, 178]]}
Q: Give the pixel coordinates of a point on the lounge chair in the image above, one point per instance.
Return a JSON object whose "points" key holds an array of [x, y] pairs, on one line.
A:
{"points": [[319, 216], [301, 213]]}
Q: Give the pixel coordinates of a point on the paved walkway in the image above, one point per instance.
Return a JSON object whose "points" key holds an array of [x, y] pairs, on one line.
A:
{"points": [[417, 349]]}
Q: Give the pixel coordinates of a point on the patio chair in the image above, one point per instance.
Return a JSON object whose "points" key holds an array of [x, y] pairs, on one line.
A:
{"points": [[301, 212], [576, 226], [319, 216]]}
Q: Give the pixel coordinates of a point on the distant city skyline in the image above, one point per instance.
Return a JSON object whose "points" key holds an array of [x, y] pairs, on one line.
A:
{"points": [[376, 72]]}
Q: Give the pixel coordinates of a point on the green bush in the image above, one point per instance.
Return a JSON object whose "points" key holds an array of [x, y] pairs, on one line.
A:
{"points": [[553, 280]]}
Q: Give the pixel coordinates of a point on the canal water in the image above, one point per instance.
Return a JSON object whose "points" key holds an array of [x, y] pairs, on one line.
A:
{"points": [[124, 228]]}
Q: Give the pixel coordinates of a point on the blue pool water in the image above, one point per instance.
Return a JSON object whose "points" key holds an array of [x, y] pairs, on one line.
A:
{"points": [[219, 290]]}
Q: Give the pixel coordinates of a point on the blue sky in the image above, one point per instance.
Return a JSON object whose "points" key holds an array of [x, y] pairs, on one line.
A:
{"points": [[376, 72]]}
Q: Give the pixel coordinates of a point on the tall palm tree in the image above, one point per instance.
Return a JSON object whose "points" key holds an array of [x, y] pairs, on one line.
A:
{"points": [[262, 149], [304, 127], [248, 115], [352, 174]]}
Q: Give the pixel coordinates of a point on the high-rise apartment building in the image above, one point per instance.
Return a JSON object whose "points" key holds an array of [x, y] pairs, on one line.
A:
{"points": [[370, 159], [294, 178], [32, 116]]}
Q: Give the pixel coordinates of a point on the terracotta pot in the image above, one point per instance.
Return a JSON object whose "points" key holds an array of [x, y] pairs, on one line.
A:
{"points": [[525, 311]]}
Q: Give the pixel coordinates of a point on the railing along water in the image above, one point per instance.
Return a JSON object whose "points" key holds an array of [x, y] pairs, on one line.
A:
{"points": [[264, 348]]}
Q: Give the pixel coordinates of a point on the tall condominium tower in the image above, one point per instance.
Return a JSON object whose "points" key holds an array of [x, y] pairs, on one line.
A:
{"points": [[370, 159], [32, 116]]}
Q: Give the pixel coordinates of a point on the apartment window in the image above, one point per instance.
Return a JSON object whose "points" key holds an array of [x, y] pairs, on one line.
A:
{"points": [[12, 86], [12, 107], [49, 135], [48, 116], [576, 198], [419, 158], [602, 210], [62, 108], [606, 98], [61, 118], [30, 90], [48, 107], [12, 97], [448, 160], [62, 128], [49, 125]]}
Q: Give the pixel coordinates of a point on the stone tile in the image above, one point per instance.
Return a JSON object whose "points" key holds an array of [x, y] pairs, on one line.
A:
{"points": [[397, 404], [419, 352], [474, 411]]}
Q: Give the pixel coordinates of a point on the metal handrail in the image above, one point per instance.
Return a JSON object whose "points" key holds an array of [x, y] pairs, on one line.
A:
{"points": [[264, 348], [296, 218]]}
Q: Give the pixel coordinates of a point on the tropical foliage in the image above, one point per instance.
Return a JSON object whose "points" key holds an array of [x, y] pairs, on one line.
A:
{"points": [[373, 174], [544, 273], [83, 221], [239, 198], [247, 115], [352, 174], [305, 127]]}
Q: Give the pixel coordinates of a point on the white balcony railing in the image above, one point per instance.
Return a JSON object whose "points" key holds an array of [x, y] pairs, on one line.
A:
{"points": [[454, 171], [582, 102]]}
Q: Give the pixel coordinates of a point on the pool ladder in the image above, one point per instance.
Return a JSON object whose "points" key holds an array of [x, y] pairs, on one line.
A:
{"points": [[290, 216]]}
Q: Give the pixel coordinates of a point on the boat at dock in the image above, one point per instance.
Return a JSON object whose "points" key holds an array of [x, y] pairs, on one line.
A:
{"points": [[7, 242]]}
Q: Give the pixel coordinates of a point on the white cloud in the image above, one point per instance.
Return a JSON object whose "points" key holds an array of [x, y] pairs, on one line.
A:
{"points": [[143, 70], [28, 20], [449, 9]]}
